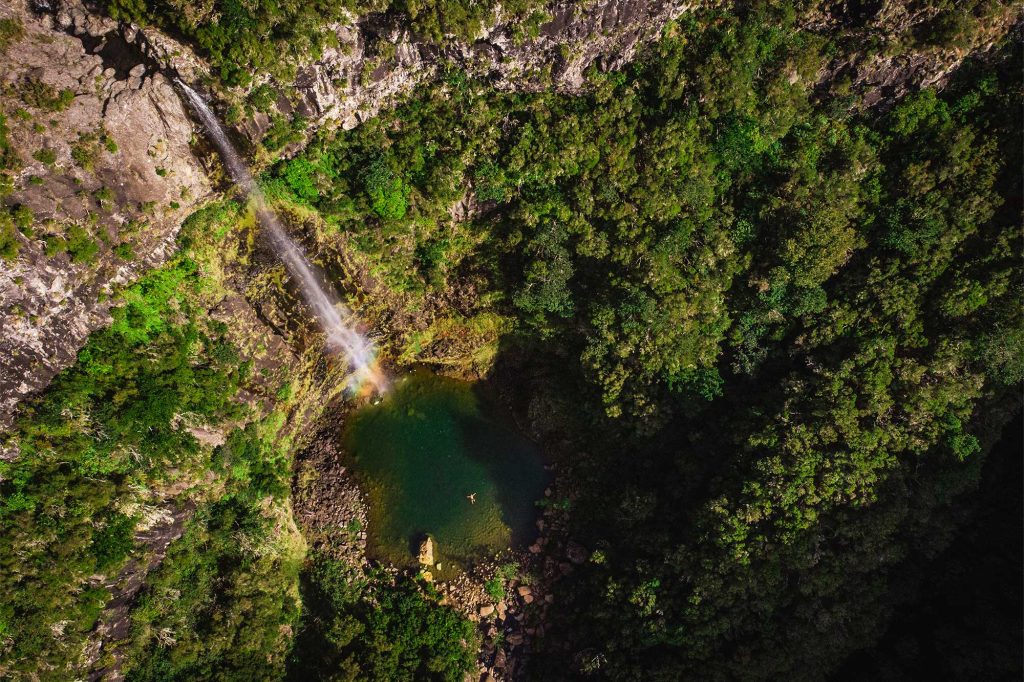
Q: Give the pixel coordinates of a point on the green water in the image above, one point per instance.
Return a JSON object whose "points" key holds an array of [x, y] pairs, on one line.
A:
{"points": [[426, 447]]}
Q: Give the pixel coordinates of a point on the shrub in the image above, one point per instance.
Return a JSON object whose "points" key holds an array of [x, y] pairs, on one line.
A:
{"points": [[124, 251], [112, 543], [402, 634], [8, 155], [36, 93], [23, 216], [262, 98], [81, 246], [85, 151], [104, 195], [387, 193], [45, 155], [10, 244], [11, 31], [55, 245]]}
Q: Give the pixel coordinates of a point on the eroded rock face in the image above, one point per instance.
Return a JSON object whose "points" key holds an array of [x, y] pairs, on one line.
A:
{"points": [[354, 80], [123, 174], [378, 59], [899, 60]]}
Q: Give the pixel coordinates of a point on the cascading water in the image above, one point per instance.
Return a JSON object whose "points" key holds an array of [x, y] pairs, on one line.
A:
{"points": [[341, 337]]}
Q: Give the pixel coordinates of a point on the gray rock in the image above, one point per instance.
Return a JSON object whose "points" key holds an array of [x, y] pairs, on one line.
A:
{"points": [[49, 305]]}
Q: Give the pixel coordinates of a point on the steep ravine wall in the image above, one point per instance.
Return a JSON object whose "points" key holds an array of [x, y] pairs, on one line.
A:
{"points": [[49, 304], [123, 171], [351, 82], [120, 73], [120, 76]]}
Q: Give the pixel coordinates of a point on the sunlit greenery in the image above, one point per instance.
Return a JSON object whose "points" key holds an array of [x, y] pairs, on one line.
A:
{"points": [[767, 331], [105, 430], [359, 628]]}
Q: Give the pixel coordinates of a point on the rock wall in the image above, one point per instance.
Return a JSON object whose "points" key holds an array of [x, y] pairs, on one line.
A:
{"points": [[120, 78], [350, 83], [883, 55], [124, 172], [378, 59]]}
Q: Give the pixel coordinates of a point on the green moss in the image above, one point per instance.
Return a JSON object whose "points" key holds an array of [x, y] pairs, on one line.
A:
{"points": [[10, 244], [104, 195], [85, 151], [124, 251], [41, 95], [81, 246]]}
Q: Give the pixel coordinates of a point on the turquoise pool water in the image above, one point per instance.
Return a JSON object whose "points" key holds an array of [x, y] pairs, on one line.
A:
{"points": [[436, 458]]}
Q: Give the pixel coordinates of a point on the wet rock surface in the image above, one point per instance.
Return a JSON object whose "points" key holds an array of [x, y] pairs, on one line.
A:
{"points": [[329, 506]]}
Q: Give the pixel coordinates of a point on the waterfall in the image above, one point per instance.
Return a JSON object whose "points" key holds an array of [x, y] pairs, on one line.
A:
{"points": [[330, 313]]}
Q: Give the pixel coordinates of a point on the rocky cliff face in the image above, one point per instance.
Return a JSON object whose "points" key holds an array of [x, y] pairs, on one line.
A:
{"points": [[108, 174], [884, 53], [352, 81], [378, 59], [123, 173]]}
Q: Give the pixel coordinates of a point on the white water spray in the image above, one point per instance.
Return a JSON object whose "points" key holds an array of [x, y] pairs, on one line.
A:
{"points": [[341, 336]]}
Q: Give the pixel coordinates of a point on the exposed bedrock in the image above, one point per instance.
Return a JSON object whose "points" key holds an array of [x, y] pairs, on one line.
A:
{"points": [[117, 170], [123, 99]]}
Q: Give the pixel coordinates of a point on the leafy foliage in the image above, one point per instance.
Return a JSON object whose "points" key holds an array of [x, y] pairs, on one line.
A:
{"points": [[107, 427], [225, 597], [11, 31], [780, 328], [370, 629], [807, 292]]}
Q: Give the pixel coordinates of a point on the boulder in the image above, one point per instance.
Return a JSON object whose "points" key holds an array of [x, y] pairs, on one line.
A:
{"points": [[426, 555], [576, 553]]}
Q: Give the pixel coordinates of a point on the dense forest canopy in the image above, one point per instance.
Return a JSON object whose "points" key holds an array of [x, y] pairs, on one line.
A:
{"points": [[773, 333]]}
